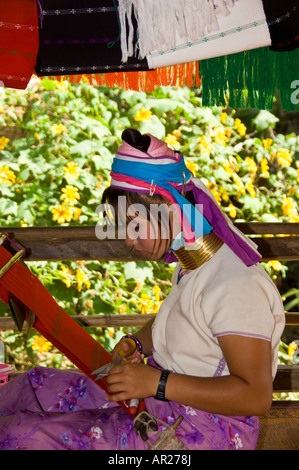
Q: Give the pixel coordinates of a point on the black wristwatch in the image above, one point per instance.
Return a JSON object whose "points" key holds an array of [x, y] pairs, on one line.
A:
{"points": [[160, 395]]}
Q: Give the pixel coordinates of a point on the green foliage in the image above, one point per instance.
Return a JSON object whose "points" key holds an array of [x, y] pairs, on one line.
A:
{"points": [[56, 164]]}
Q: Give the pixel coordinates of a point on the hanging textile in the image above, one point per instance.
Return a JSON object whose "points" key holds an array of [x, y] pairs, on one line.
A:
{"points": [[249, 79], [199, 30], [244, 28], [18, 42], [283, 21], [176, 75], [81, 37], [165, 24]]}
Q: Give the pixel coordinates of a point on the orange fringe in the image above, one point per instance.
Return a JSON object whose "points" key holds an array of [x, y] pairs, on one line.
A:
{"points": [[177, 75]]}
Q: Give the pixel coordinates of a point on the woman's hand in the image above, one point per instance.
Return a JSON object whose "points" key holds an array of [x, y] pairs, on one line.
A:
{"points": [[132, 381], [132, 356]]}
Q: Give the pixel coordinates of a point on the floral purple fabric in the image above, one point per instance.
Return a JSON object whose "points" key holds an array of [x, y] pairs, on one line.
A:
{"points": [[50, 409]]}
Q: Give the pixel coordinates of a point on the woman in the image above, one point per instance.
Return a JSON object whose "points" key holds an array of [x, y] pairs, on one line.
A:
{"points": [[212, 348]]}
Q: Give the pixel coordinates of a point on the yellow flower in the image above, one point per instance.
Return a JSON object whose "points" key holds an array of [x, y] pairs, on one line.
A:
{"points": [[7, 175], [84, 79], [82, 278], [89, 304], [145, 303], [61, 214], [239, 184], [58, 129], [177, 133], [143, 114], [156, 306], [72, 171], [267, 143], [289, 208], [172, 141], [193, 167], [122, 309], [219, 135], [214, 191], [241, 128], [61, 86], [284, 157], [251, 165], [40, 344], [70, 195], [292, 348], [264, 168], [23, 223], [224, 195], [67, 275], [276, 265], [110, 332], [3, 142], [139, 285], [228, 132], [205, 145], [227, 167], [223, 117], [77, 213], [250, 188], [298, 175], [157, 291], [232, 211]]}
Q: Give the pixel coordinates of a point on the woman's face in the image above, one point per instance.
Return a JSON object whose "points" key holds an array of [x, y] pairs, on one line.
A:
{"points": [[149, 235]]}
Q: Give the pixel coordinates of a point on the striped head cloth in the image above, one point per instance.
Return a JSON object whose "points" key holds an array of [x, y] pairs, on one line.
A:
{"points": [[160, 170]]}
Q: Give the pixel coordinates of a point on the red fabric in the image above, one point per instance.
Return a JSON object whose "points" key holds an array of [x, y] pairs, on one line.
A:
{"points": [[19, 41]]}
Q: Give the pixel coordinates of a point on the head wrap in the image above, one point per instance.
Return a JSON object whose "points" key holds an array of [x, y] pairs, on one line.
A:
{"points": [[163, 171]]}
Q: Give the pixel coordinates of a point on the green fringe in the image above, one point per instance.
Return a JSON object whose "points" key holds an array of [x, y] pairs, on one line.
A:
{"points": [[249, 79]]}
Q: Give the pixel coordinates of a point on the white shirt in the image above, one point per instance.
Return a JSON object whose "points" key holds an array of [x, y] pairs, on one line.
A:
{"points": [[222, 297]]}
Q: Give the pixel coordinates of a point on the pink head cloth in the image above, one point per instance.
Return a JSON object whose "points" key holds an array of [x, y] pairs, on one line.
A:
{"points": [[157, 148]]}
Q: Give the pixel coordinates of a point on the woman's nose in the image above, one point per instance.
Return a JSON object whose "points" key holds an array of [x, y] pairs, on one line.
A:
{"points": [[130, 241]]}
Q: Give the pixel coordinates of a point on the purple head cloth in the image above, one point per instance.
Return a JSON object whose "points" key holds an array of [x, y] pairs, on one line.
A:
{"points": [[215, 217]]}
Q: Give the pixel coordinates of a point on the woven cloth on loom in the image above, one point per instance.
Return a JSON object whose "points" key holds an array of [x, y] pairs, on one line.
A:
{"points": [[18, 42]]}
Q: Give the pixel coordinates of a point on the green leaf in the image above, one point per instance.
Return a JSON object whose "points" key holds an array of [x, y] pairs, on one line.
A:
{"points": [[26, 211], [7, 206], [102, 307], [268, 218], [252, 203], [48, 84], [264, 120], [103, 160], [133, 271], [84, 148], [132, 97], [95, 127], [153, 126], [165, 105]]}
